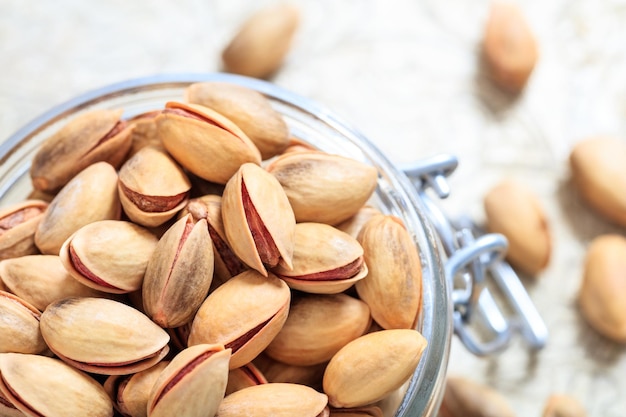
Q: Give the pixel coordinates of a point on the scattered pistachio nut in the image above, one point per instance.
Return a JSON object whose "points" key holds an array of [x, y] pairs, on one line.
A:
{"points": [[466, 398], [515, 211], [18, 224], [561, 405]]}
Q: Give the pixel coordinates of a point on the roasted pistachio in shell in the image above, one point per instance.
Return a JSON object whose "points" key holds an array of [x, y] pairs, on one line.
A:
{"points": [[95, 136], [130, 393], [244, 314], [109, 255], [18, 224], [371, 366], [322, 187], [144, 132], [90, 196], [205, 142], [19, 326], [317, 327], [393, 286], [325, 260], [193, 384], [248, 109], [102, 336], [179, 273], [466, 398], [246, 376], [354, 224], [275, 371], [258, 220], [274, 399], [41, 280], [42, 386]]}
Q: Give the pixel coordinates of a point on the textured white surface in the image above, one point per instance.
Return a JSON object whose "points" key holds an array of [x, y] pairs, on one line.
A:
{"points": [[406, 73]]}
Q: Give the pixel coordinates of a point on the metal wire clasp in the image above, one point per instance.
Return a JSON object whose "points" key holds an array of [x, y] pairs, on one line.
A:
{"points": [[474, 268]]}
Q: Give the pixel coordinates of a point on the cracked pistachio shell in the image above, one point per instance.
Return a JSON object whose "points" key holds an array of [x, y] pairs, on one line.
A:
{"points": [[244, 377], [91, 137], [258, 220], [371, 411], [372, 366], [41, 280], [275, 371], [19, 326], [152, 187], [179, 273], [248, 109], [43, 386], [467, 398], [325, 260], [560, 405], [324, 188], [205, 142], [274, 399], [102, 336], [109, 255], [245, 314], [130, 393], [90, 196], [317, 327], [18, 224], [193, 384], [393, 286]]}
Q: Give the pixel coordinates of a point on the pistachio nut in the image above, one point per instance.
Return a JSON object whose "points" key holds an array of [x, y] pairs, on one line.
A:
{"points": [[275, 371], [7, 409], [598, 166], [205, 142], [47, 387], [152, 187], [244, 377], [393, 286], [90, 196], [258, 220], [144, 133], [509, 47], [274, 399], [371, 366], [353, 225], [193, 384], [227, 264], [602, 295], [248, 109], [109, 255], [130, 393], [262, 42], [370, 411], [102, 336], [244, 314], [18, 224], [324, 188], [19, 326], [561, 405], [95, 136], [41, 280], [466, 398], [179, 273], [325, 260], [317, 327]]}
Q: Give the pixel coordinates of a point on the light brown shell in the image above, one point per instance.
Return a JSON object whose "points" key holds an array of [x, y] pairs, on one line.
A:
{"points": [[7, 409], [19, 326], [246, 376], [244, 313], [18, 224], [353, 225], [466, 398]]}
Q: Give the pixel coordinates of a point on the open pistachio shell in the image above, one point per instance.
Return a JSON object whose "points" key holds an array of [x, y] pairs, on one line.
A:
{"points": [[102, 336], [152, 187], [274, 399], [371, 366], [90, 196], [179, 273], [244, 377], [317, 327], [205, 142], [144, 133], [19, 326], [322, 187], [258, 219], [109, 255], [393, 286], [41, 280], [193, 384], [244, 314], [42, 386], [18, 224], [325, 260]]}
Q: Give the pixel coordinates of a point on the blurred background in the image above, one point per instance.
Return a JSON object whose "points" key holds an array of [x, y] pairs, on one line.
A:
{"points": [[408, 75]]}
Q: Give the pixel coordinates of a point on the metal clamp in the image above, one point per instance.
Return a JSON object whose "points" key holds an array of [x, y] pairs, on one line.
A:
{"points": [[474, 267]]}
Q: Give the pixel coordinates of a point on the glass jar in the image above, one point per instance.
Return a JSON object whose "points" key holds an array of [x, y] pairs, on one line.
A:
{"points": [[307, 121]]}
